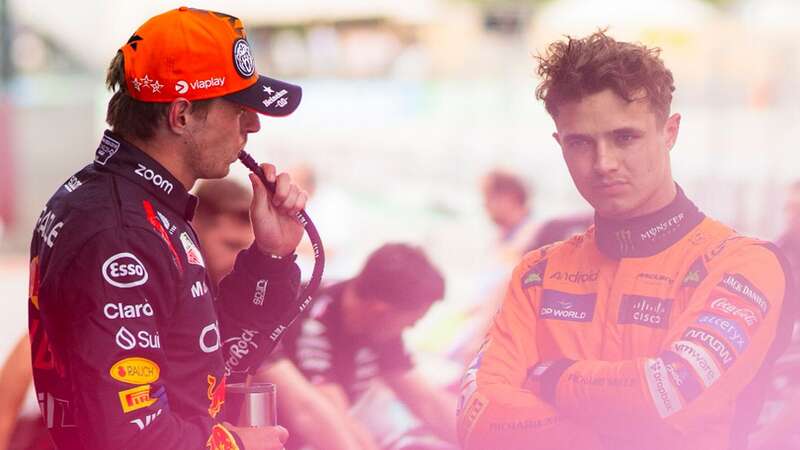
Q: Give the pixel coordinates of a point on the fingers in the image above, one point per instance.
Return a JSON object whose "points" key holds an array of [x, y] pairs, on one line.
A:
{"points": [[288, 197], [282, 433]]}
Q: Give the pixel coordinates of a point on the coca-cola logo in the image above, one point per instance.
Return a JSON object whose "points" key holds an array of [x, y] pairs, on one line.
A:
{"points": [[124, 270]]}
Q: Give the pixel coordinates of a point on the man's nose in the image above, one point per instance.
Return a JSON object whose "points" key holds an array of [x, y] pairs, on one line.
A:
{"points": [[251, 122], [606, 158]]}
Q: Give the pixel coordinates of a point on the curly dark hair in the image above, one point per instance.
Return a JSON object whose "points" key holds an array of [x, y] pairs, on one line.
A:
{"points": [[575, 68]]}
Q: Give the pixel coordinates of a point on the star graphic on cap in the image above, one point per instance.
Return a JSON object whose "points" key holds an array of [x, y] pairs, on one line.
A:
{"points": [[146, 81], [137, 84], [268, 90], [156, 86]]}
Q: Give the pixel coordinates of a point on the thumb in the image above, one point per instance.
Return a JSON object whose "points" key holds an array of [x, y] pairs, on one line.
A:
{"points": [[259, 190]]}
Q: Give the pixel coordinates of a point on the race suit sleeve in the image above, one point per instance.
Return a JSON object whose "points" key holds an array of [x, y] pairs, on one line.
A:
{"points": [[121, 293], [735, 320], [494, 409], [253, 302]]}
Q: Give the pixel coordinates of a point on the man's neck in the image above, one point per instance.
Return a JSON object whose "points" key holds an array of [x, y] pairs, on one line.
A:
{"points": [[648, 234], [168, 155]]}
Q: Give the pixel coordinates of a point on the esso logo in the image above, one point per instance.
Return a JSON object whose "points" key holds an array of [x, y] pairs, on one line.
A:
{"points": [[124, 270]]}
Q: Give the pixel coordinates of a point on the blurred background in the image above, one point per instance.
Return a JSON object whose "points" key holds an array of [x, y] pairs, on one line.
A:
{"points": [[406, 106]]}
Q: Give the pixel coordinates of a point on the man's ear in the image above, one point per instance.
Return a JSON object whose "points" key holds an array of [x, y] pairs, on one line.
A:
{"points": [[671, 128], [178, 115]]}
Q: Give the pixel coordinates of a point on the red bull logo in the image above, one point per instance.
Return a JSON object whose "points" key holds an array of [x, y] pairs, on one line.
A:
{"points": [[216, 393], [33, 282], [221, 438]]}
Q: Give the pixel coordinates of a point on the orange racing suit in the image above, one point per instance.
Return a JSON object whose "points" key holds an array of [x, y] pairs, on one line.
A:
{"points": [[653, 333]]}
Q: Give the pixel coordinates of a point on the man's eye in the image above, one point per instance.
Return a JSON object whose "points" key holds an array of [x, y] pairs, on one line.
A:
{"points": [[579, 144], [626, 138]]}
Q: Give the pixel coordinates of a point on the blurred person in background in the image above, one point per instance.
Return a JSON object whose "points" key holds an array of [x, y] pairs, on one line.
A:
{"points": [[789, 241], [129, 346], [19, 429], [352, 337], [506, 200], [778, 429], [657, 327], [223, 226]]}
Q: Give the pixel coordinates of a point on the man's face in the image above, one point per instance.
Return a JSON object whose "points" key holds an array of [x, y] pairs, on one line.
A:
{"points": [[215, 142], [617, 153], [500, 207], [223, 238]]}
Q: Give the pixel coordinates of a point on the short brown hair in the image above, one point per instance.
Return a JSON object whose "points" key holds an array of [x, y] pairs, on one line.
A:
{"points": [[129, 117], [400, 274], [575, 68]]}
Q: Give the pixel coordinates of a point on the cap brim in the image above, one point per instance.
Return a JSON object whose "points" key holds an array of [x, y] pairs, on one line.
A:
{"points": [[269, 96]]}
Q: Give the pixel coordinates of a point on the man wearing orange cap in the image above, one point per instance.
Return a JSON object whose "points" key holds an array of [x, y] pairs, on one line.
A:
{"points": [[132, 345]]}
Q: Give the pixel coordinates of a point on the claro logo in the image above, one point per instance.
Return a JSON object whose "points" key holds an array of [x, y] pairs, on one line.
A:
{"points": [[154, 178], [124, 270]]}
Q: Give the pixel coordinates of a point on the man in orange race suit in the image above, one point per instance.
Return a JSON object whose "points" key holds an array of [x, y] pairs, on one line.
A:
{"points": [[654, 329]]}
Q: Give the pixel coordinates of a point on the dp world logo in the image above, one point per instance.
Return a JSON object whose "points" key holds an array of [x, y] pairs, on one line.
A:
{"points": [[181, 87], [243, 58]]}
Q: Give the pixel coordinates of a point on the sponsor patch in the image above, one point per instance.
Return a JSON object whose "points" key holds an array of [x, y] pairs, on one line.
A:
{"points": [[726, 305], [682, 375], [239, 347], [153, 177], [48, 228], [696, 274], [469, 382], [665, 398], [702, 363], [475, 406], [729, 329], [243, 59], [33, 282], [577, 277], [145, 422], [122, 311], [199, 289], [260, 292], [221, 439], [143, 339], [209, 338], [72, 184], [535, 275], [216, 394], [557, 305], [647, 311], [135, 371], [108, 147], [135, 398], [654, 278], [193, 254], [712, 343], [739, 285], [124, 270]]}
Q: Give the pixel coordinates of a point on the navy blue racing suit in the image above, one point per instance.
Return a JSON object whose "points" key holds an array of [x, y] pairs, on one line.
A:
{"points": [[131, 345]]}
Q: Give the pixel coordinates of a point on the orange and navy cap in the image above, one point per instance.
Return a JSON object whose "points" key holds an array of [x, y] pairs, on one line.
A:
{"points": [[197, 54]]}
